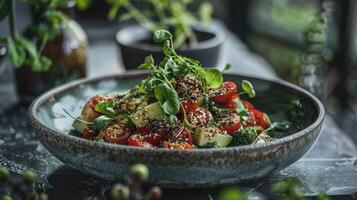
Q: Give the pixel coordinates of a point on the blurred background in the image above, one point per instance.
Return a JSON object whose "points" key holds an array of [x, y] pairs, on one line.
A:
{"points": [[284, 37]]}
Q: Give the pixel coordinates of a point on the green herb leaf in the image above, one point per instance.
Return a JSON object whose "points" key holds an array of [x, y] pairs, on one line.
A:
{"points": [[148, 63], [231, 194], [248, 88], [162, 35], [4, 8], [106, 108], [227, 67], [205, 12], [214, 78], [101, 122], [168, 99], [172, 119], [17, 54]]}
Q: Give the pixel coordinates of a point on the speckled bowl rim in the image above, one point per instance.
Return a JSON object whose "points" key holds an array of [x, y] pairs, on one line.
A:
{"points": [[38, 102]]}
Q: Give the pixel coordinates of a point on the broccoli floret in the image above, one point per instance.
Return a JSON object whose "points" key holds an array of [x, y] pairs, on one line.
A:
{"points": [[244, 136], [210, 145]]}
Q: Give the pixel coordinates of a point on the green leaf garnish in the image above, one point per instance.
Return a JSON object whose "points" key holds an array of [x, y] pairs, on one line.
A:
{"points": [[148, 63], [101, 122], [248, 88], [214, 78], [161, 35], [168, 99], [106, 108]]}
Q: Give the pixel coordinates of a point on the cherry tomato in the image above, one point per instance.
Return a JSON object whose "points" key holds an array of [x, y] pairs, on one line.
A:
{"points": [[199, 117], [232, 102], [230, 123], [117, 133], [188, 105], [88, 133], [175, 145], [247, 104], [94, 100], [224, 94], [258, 118], [138, 141], [188, 86], [182, 135]]}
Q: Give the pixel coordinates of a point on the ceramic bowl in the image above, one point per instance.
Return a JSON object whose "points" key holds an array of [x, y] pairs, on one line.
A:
{"points": [[178, 168]]}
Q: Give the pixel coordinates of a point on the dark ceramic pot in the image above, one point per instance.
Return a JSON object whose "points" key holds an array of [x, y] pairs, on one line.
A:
{"points": [[177, 168], [135, 44]]}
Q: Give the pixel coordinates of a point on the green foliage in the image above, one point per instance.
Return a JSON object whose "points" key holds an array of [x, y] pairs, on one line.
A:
{"points": [[248, 88], [173, 65], [231, 194], [214, 78], [289, 189], [168, 98], [22, 51], [106, 108], [101, 122], [163, 14], [244, 136]]}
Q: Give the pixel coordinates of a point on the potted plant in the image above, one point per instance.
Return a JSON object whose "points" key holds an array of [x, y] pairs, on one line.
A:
{"points": [[51, 51], [192, 35]]}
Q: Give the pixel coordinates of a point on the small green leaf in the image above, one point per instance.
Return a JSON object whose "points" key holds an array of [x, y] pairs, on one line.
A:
{"points": [[227, 67], [106, 108], [205, 12], [248, 88], [168, 99], [214, 78], [148, 63], [172, 119], [83, 4], [101, 122], [162, 35], [17, 54]]}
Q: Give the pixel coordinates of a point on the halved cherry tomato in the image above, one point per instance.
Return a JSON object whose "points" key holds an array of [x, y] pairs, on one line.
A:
{"points": [[175, 145], [182, 135], [199, 117], [188, 105], [232, 102], [258, 118], [138, 141], [94, 100], [230, 123], [233, 105], [88, 133], [247, 104], [224, 94], [117, 133]]}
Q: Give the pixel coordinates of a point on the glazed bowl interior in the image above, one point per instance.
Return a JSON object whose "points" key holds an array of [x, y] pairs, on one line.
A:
{"points": [[276, 100]]}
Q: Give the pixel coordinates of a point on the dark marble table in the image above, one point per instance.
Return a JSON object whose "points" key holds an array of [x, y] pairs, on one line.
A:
{"points": [[330, 166]]}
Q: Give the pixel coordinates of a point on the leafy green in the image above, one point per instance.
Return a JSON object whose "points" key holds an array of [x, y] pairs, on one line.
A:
{"points": [[231, 194], [227, 67], [244, 136], [101, 122], [248, 88], [214, 78], [211, 145], [161, 36], [106, 108], [163, 14], [289, 189], [17, 54], [148, 63], [168, 98]]}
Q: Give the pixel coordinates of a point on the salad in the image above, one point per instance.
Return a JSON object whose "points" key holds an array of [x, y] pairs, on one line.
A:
{"points": [[180, 105]]}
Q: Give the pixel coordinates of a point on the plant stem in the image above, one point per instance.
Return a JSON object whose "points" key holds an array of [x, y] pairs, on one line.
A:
{"points": [[12, 20]]}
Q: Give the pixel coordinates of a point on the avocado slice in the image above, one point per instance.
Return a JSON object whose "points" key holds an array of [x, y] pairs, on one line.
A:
{"points": [[203, 136], [149, 113]]}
